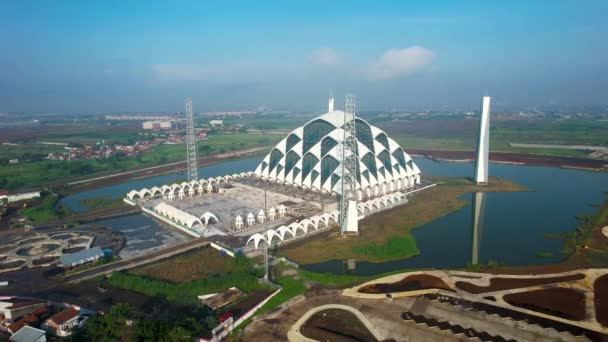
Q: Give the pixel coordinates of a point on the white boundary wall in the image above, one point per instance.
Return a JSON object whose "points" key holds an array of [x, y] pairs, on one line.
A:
{"points": [[241, 319]]}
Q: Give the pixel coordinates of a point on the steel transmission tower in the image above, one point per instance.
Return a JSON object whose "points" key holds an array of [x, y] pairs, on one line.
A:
{"points": [[191, 143], [348, 197]]}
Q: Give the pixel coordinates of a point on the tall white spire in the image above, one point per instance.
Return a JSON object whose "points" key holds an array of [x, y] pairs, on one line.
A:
{"points": [[331, 103], [483, 144]]}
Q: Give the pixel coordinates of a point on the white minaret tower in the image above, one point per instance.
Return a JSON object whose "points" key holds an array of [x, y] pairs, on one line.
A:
{"points": [[483, 144], [331, 104]]}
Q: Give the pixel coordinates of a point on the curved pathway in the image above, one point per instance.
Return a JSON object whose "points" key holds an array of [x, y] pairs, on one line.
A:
{"points": [[294, 334], [483, 279]]}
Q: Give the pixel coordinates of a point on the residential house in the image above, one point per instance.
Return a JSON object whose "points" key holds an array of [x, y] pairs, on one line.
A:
{"points": [[62, 323]]}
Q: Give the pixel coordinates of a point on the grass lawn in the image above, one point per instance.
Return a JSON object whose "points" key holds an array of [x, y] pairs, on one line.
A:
{"points": [[385, 236]]}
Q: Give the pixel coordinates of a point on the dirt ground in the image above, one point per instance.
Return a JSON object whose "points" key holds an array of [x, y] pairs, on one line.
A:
{"points": [[409, 283], [336, 326], [601, 299], [196, 264], [560, 302], [499, 284]]}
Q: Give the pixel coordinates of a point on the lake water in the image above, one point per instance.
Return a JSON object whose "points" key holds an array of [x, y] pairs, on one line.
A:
{"points": [[511, 227]]}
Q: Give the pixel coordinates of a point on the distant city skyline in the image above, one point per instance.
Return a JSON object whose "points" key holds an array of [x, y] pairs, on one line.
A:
{"points": [[113, 56]]}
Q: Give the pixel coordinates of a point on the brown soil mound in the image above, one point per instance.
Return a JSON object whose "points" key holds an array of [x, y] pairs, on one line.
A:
{"points": [[6, 248], [499, 284], [601, 299], [560, 302], [61, 236], [76, 241], [44, 260], [12, 264], [335, 325], [193, 265], [409, 283], [73, 249]]}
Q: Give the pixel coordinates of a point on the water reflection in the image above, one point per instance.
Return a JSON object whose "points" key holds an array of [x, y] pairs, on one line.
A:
{"points": [[477, 210]]}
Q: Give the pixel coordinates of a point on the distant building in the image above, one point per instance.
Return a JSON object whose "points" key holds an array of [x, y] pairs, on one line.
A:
{"points": [[214, 123], [62, 323], [29, 334], [138, 118], [82, 257], [19, 197], [157, 125], [13, 161]]}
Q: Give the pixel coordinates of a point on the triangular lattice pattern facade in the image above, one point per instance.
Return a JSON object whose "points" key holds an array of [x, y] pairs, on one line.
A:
{"points": [[309, 157]]}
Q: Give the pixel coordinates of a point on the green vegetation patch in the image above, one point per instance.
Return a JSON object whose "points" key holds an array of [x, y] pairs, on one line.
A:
{"points": [[186, 292], [291, 288], [335, 280], [41, 211], [544, 254], [397, 247]]}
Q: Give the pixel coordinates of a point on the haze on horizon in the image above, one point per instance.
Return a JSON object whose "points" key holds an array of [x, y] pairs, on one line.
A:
{"points": [[109, 56]]}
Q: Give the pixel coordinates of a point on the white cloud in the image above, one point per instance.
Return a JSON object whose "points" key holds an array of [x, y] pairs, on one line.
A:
{"points": [[325, 57], [396, 63], [322, 64]]}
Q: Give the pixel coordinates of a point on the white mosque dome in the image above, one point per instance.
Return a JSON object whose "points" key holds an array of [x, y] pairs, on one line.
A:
{"points": [[309, 157]]}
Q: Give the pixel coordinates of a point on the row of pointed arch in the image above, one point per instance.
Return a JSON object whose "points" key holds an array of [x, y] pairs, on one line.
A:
{"points": [[313, 223], [199, 186], [184, 218]]}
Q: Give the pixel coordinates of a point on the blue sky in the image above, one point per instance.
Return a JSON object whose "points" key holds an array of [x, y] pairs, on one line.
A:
{"points": [[84, 56]]}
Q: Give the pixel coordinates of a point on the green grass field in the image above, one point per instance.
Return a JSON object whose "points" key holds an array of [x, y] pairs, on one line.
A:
{"points": [[186, 292], [460, 134], [26, 175], [397, 247]]}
